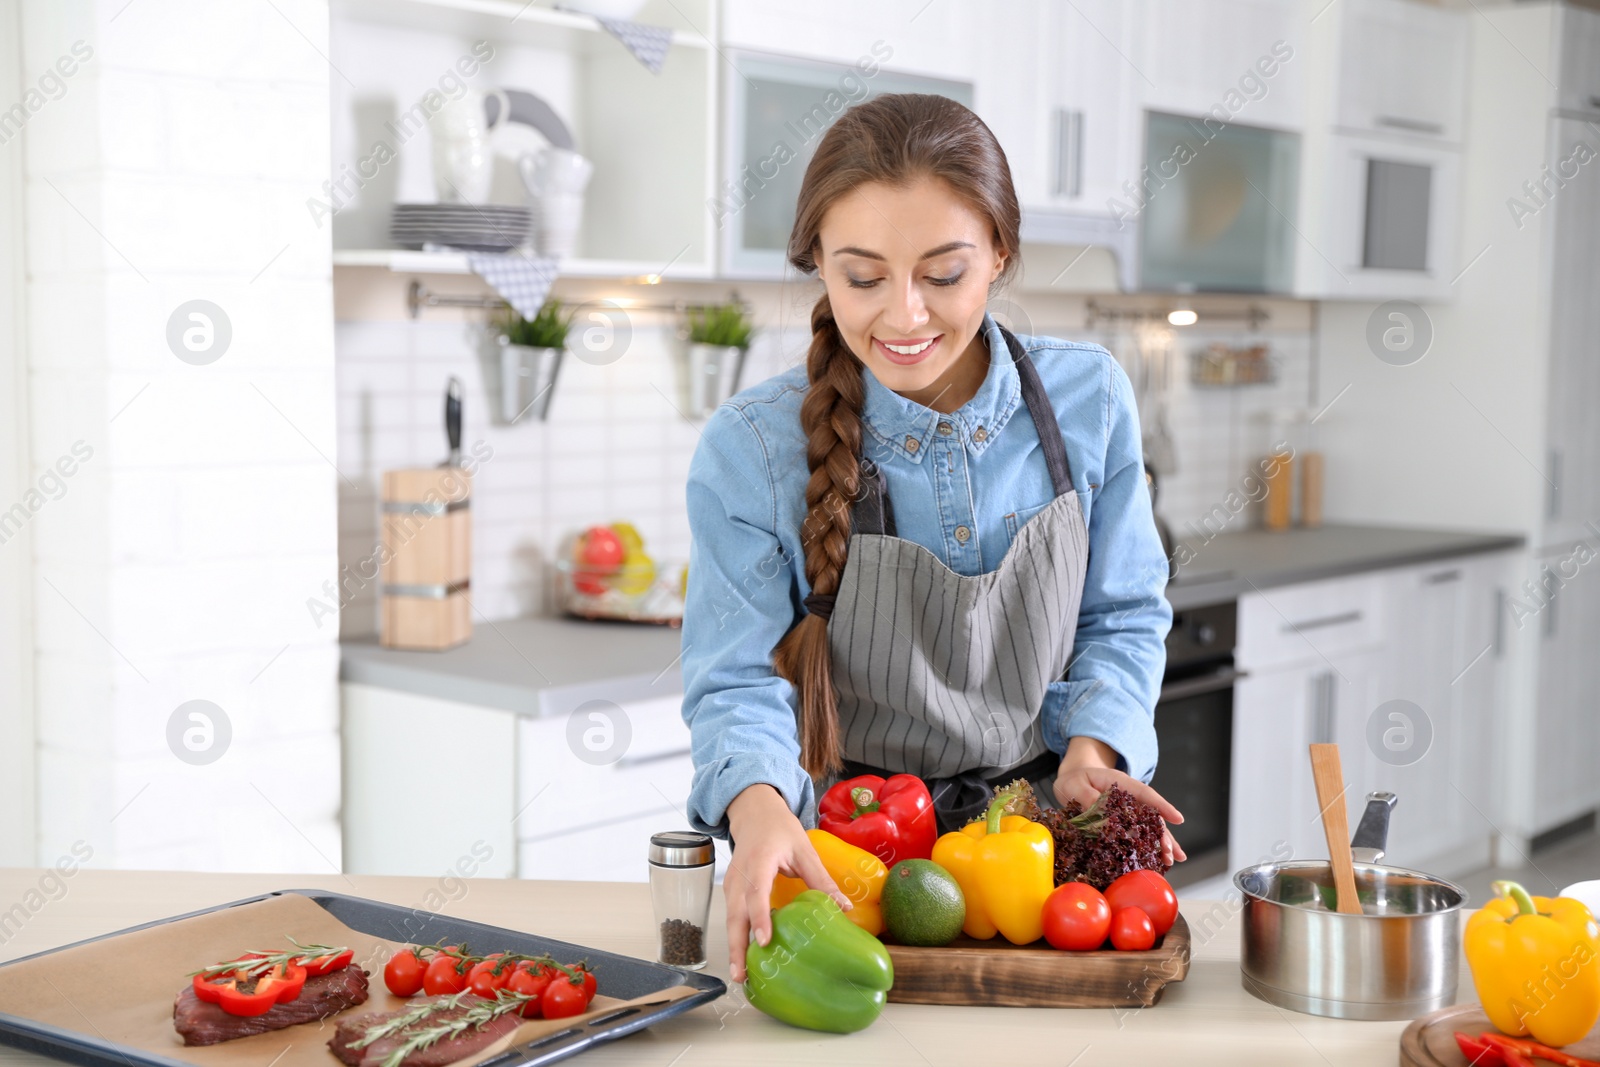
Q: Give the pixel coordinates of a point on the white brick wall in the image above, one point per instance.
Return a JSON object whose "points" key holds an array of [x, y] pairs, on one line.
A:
{"points": [[176, 564]]}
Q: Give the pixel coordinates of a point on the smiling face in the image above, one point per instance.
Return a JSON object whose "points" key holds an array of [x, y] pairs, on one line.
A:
{"points": [[908, 271]]}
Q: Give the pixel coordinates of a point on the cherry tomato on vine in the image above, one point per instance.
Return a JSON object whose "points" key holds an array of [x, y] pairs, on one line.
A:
{"points": [[403, 973], [445, 974], [562, 998], [529, 981]]}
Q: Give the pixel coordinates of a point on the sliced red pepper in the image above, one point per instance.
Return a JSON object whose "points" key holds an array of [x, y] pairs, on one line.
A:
{"points": [[1520, 1046], [278, 986], [318, 965], [1478, 1052]]}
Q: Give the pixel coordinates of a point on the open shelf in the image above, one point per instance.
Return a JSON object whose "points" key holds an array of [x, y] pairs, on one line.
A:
{"points": [[410, 261], [514, 21]]}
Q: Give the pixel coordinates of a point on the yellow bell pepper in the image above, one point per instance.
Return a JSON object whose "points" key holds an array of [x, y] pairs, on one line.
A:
{"points": [[1005, 865], [1536, 964], [858, 874]]}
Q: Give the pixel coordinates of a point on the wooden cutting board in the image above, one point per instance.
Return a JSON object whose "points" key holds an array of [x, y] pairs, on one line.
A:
{"points": [[998, 973], [1430, 1040]]}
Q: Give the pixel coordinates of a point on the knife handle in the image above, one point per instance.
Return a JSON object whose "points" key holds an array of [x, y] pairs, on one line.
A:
{"points": [[452, 418]]}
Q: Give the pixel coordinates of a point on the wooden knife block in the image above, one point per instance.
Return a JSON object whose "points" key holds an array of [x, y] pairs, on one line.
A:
{"points": [[426, 558]]}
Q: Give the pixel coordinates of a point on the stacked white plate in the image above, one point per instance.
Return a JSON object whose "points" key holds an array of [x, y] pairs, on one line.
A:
{"points": [[476, 227]]}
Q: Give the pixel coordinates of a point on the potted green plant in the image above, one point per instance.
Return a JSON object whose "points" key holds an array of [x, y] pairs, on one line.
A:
{"points": [[530, 358], [711, 361]]}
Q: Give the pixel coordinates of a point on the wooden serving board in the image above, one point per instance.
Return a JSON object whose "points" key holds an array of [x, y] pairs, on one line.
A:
{"points": [[1430, 1040], [998, 973]]}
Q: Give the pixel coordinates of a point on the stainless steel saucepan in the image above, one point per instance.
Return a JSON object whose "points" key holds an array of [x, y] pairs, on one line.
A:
{"points": [[1396, 960]]}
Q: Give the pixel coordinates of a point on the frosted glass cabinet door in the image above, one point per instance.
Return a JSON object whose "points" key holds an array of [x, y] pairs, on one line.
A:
{"points": [[778, 109]]}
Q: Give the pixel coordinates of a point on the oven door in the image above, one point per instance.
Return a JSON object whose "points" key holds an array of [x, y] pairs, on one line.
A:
{"points": [[1194, 732]]}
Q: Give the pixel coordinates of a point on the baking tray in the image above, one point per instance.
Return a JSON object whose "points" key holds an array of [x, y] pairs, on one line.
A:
{"points": [[626, 978]]}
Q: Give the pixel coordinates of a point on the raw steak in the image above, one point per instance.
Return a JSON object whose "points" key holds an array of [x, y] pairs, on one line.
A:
{"points": [[436, 1055], [326, 994]]}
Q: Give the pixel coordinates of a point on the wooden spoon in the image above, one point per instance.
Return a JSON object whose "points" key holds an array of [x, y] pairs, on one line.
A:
{"points": [[1329, 778]]}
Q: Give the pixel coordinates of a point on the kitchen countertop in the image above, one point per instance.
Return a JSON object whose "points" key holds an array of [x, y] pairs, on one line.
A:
{"points": [[547, 666], [531, 666], [1237, 562], [1206, 1019]]}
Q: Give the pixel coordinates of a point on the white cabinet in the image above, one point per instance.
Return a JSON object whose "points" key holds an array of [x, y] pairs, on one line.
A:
{"points": [[1197, 55], [1572, 461], [1055, 85], [1402, 669], [564, 796], [1402, 69], [918, 37], [1579, 41], [1564, 607]]}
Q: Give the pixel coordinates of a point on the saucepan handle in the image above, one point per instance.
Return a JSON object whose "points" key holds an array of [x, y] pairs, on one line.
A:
{"points": [[1372, 833]]}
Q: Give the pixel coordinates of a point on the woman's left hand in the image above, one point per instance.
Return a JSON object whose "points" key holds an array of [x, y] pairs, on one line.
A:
{"points": [[1088, 769]]}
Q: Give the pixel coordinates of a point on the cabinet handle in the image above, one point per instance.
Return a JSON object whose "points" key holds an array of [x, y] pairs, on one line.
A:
{"points": [[1550, 602], [1441, 577], [1553, 493], [1069, 152], [1322, 707], [1411, 125], [1317, 624], [1499, 621]]}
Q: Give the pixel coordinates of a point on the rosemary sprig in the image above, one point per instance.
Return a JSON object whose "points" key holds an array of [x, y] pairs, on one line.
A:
{"points": [[407, 1018], [476, 1018], [266, 961]]}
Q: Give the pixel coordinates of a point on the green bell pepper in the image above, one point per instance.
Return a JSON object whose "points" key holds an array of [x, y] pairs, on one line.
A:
{"points": [[819, 970]]}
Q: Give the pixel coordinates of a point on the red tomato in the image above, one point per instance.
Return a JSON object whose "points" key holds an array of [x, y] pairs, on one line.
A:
{"points": [[529, 982], [1076, 917], [589, 983], [403, 973], [1150, 893], [1131, 930], [562, 998], [601, 547], [444, 975]]}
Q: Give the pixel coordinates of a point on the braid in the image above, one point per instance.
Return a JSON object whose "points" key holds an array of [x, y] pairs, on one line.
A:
{"points": [[831, 418]]}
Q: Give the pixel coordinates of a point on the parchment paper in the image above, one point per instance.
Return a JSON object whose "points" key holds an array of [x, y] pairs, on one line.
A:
{"points": [[121, 989]]}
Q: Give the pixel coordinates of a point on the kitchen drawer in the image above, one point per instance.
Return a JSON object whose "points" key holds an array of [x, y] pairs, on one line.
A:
{"points": [[559, 787], [610, 852], [1309, 622]]}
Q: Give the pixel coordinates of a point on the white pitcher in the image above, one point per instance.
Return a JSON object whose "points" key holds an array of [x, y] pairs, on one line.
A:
{"points": [[463, 164]]}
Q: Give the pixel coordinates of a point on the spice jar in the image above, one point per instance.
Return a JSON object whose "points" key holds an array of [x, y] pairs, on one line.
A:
{"points": [[682, 864]]}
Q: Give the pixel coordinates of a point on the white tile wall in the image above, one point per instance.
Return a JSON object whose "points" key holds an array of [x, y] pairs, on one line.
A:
{"points": [[176, 563], [614, 448]]}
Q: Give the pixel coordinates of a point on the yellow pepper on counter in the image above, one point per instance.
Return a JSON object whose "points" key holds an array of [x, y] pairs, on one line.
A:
{"points": [[858, 874], [1536, 964], [1005, 865]]}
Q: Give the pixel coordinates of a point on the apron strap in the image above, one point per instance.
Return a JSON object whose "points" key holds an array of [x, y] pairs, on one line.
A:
{"points": [[873, 514]]}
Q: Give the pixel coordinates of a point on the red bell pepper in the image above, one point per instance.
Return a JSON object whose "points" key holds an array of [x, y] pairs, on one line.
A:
{"points": [[892, 819], [244, 993]]}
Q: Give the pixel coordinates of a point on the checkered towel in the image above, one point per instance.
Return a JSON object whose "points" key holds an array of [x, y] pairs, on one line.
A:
{"points": [[647, 43], [523, 281]]}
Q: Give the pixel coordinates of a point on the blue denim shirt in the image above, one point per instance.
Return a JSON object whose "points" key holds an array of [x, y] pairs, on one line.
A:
{"points": [[963, 494]]}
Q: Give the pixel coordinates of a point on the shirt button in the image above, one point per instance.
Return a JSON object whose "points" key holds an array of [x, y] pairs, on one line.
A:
{"points": [[980, 435], [963, 534], [945, 429], [912, 444]]}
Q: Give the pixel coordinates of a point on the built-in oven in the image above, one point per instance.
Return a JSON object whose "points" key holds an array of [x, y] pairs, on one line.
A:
{"points": [[1194, 729]]}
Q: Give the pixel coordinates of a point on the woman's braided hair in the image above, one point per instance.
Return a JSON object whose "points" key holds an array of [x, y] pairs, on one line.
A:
{"points": [[894, 139]]}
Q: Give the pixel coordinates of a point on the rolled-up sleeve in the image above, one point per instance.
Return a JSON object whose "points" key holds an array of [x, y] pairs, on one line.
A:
{"points": [[1114, 677], [741, 599]]}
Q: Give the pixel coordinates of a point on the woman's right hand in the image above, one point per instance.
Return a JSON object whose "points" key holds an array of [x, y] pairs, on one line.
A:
{"points": [[770, 841]]}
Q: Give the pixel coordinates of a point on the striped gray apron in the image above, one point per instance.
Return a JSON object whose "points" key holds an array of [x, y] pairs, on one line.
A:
{"points": [[943, 675]]}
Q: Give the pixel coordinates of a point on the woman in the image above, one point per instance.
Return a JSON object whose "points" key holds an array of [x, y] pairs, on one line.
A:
{"points": [[930, 549]]}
